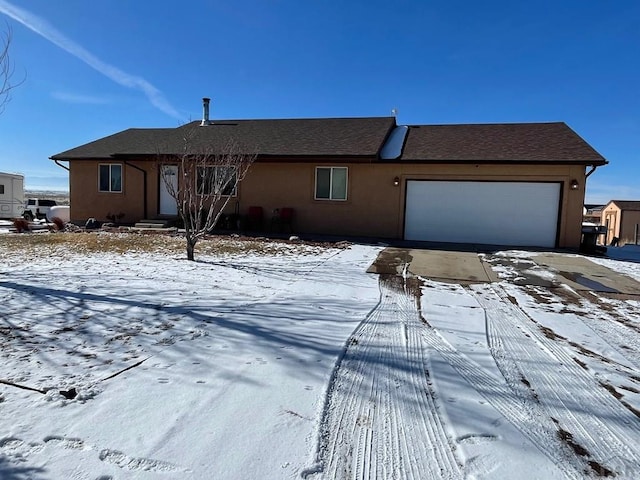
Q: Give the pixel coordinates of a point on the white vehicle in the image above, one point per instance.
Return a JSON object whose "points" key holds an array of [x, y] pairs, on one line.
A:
{"points": [[11, 195], [38, 208]]}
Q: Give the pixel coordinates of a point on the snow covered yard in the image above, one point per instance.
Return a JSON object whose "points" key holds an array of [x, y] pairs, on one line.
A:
{"points": [[273, 360], [236, 348]]}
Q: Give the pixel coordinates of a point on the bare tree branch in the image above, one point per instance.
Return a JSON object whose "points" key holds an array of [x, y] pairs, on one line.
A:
{"points": [[6, 69], [207, 180]]}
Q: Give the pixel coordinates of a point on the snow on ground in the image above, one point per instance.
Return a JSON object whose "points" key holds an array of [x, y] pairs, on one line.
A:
{"points": [[623, 259], [5, 225], [237, 352], [288, 361]]}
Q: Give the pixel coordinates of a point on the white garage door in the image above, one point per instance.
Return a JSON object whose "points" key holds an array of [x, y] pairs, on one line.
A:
{"points": [[498, 213]]}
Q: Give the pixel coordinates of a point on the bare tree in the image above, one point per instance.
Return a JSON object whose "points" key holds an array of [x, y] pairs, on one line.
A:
{"points": [[6, 69], [202, 181]]}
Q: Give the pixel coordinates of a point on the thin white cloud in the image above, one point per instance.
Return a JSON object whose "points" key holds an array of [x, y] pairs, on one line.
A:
{"points": [[601, 193], [46, 30], [79, 98]]}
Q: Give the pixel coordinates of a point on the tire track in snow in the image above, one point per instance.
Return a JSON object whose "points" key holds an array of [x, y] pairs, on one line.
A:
{"points": [[530, 361], [610, 318], [515, 405], [623, 336], [380, 418]]}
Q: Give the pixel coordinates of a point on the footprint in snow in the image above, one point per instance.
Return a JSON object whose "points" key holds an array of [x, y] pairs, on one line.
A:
{"points": [[481, 466], [70, 443], [477, 438], [131, 463], [15, 447], [19, 449]]}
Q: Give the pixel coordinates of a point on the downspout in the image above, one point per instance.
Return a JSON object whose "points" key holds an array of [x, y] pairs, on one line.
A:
{"points": [[57, 162], [593, 169], [144, 185]]}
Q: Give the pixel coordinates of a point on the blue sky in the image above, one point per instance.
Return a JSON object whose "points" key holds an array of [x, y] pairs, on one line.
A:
{"points": [[95, 68]]}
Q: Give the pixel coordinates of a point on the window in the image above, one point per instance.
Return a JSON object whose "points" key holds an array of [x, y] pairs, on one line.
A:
{"points": [[110, 178], [216, 180], [331, 183], [1, 189]]}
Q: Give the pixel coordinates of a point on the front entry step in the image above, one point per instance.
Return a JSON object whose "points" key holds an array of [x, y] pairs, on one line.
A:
{"points": [[154, 223]]}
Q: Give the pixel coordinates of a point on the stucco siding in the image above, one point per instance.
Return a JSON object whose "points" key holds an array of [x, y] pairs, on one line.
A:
{"points": [[374, 206], [86, 201]]}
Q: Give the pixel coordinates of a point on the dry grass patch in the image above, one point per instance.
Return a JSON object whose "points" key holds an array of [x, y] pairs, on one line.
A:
{"points": [[65, 245], [38, 244]]}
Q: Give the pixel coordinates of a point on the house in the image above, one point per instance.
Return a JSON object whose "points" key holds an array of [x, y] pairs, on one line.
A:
{"points": [[592, 213], [622, 220], [508, 184]]}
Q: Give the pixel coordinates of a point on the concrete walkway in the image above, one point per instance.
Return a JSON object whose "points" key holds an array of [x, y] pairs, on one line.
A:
{"points": [[467, 267], [581, 274]]}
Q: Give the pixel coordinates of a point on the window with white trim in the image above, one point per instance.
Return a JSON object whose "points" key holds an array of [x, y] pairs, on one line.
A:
{"points": [[110, 177], [216, 180], [331, 183]]}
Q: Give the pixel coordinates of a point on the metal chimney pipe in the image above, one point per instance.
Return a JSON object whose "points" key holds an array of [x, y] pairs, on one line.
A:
{"points": [[205, 112]]}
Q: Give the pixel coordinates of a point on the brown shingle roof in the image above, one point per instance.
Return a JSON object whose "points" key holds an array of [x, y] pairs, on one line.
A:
{"points": [[354, 137], [134, 141], [627, 204], [517, 142], [286, 137]]}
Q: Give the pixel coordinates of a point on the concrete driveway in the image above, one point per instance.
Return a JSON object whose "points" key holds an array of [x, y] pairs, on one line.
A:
{"points": [[452, 266], [467, 267]]}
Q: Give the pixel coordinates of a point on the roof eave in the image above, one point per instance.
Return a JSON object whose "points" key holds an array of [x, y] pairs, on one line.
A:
{"points": [[470, 161]]}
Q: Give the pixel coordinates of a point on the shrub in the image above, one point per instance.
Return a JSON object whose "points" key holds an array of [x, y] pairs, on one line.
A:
{"points": [[21, 225], [58, 222]]}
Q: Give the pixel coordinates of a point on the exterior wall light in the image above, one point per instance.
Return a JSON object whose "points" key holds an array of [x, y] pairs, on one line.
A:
{"points": [[396, 181], [574, 184]]}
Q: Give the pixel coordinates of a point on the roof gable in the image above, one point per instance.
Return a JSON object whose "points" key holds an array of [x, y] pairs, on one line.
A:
{"points": [[626, 204]]}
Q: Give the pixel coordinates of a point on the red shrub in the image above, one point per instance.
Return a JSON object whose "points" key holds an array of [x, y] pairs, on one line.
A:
{"points": [[21, 225], [58, 222]]}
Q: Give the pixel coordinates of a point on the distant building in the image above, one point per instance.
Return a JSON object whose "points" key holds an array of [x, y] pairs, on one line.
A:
{"points": [[592, 214], [622, 219]]}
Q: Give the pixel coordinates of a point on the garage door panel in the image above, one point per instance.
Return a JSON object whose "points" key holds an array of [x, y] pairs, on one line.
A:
{"points": [[503, 213]]}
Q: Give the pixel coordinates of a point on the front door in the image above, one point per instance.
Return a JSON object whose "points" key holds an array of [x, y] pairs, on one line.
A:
{"points": [[168, 176]]}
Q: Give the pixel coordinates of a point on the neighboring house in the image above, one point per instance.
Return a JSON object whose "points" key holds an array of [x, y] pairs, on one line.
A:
{"points": [[592, 213], [507, 184], [622, 219]]}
